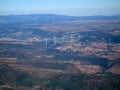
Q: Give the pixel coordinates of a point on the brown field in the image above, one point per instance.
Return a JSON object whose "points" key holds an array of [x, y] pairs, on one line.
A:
{"points": [[9, 60], [90, 69], [115, 69], [80, 25], [37, 72]]}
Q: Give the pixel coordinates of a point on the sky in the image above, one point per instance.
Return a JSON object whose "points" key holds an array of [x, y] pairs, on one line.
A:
{"points": [[62, 7]]}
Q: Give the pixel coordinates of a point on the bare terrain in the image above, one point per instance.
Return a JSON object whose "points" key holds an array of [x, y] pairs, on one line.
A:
{"points": [[46, 52]]}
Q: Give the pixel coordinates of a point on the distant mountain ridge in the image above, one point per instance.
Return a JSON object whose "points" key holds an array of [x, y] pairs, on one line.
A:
{"points": [[51, 18]]}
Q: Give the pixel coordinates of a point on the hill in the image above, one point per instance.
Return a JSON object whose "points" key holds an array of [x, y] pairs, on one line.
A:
{"points": [[58, 52]]}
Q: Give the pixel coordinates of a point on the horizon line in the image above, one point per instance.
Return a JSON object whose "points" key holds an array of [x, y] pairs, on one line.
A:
{"points": [[56, 14]]}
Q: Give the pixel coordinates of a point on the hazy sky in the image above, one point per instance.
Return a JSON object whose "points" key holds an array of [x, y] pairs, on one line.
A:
{"points": [[65, 7]]}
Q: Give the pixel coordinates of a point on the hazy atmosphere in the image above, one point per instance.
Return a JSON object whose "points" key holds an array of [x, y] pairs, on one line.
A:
{"points": [[59, 44], [64, 7]]}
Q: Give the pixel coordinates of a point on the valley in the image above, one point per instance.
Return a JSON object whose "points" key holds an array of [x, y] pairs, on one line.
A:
{"points": [[47, 51]]}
